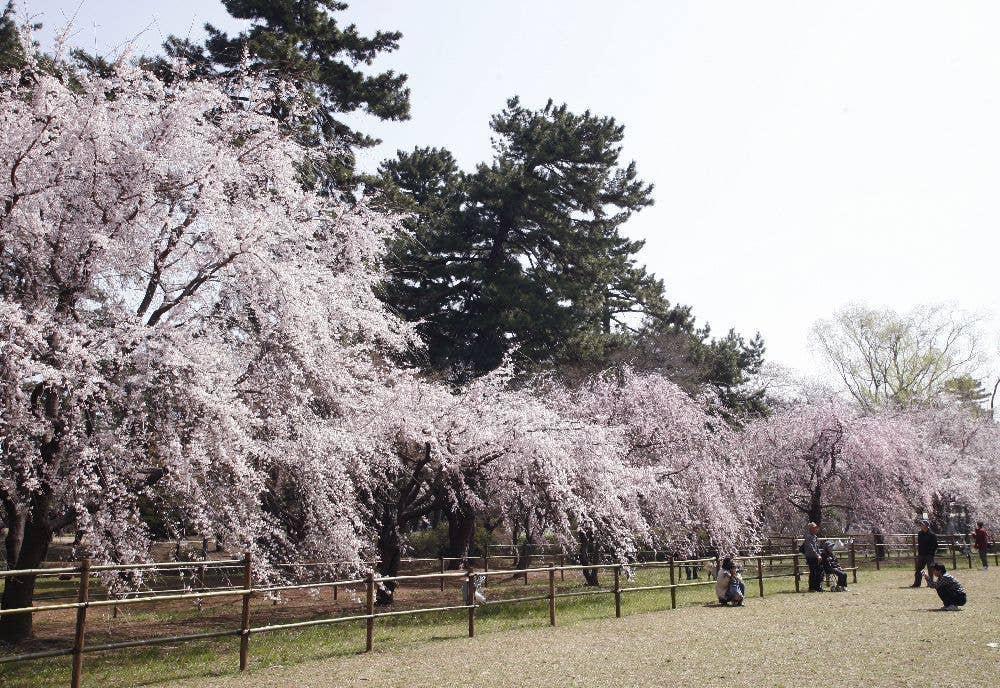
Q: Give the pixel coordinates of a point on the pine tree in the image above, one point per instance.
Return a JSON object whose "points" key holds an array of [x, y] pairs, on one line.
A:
{"points": [[969, 392], [526, 252], [11, 50], [300, 42]]}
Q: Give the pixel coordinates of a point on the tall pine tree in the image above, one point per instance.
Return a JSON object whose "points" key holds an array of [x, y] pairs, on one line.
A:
{"points": [[301, 42], [526, 252]]}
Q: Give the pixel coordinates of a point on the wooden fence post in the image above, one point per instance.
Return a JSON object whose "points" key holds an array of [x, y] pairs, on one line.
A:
{"points": [[618, 591], [562, 564], [441, 561], [796, 572], [552, 595], [470, 583], [854, 562], [245, 613], [760, 576], [370, 611], [83, 596], [202, 570], [673, 587]]}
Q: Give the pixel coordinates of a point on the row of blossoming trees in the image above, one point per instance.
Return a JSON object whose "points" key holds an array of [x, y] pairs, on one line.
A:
{"points": [[185, 330]]}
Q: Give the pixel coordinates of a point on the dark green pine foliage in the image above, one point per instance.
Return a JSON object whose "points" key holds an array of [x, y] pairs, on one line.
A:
{"points": [[692, 358], [300, 41], [525, 252], [728, 364], [969, 392], [11, 51]]}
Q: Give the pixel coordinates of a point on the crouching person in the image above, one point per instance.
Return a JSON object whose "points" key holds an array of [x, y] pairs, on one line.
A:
{"points": [[948, 588], [832, 566], [729, 587]]}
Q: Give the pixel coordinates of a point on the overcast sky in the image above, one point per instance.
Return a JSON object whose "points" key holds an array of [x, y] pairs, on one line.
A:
{"points": [[805, 154]]}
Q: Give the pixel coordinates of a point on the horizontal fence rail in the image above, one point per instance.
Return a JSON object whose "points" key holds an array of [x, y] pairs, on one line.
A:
{"points": [[760, 567]]}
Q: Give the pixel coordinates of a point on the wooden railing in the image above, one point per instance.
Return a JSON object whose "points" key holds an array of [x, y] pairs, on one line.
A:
{"points": [[759, 568]]}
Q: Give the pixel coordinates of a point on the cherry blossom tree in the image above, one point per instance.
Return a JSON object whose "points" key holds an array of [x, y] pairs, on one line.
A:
{"points": [[963, 451], [492, 448], [182, 325], [822, 459], [684, 468]]}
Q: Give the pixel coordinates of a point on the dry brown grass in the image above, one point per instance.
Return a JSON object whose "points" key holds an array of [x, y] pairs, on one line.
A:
{"points": [[879, 634]]}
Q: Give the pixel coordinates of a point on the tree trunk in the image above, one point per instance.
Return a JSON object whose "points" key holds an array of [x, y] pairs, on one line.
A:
{"points": [[27, 543], [816, 506], [389, 554], [879, 540], [524, 554], [940, 506], [588, 555], [524, 551], [461, 530]]}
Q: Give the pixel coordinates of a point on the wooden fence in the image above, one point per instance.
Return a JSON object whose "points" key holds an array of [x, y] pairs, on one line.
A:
{"points": [[890, 548], [759, 567]]}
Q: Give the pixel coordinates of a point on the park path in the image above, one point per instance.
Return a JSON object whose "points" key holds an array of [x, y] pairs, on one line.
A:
{"points": [[878, 634]]}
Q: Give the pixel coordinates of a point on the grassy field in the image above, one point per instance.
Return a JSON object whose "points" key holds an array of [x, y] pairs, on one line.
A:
{"points": [[879, 633]]}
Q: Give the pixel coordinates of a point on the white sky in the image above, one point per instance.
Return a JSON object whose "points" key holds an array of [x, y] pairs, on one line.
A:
{"points": [[805, 153]]}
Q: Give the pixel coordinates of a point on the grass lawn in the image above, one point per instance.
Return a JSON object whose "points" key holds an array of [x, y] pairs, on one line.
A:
{"points": [[879, 633]]}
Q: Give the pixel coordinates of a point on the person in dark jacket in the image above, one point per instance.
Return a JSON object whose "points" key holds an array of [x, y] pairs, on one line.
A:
{"points": [[810, 548], [832, 566], [982, 539], [948, 588], [926, 549]]}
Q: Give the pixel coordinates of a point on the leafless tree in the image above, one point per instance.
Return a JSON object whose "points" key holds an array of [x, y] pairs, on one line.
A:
{"points": [[891, 360]]}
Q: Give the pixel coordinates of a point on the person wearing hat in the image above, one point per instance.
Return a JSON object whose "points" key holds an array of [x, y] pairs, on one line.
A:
{"points": [[810, 548], [926, 550], [832, 566]]}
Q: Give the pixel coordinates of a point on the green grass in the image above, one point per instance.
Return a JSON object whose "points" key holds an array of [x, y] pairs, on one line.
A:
{"points": [[880, 633], [219, 657]]}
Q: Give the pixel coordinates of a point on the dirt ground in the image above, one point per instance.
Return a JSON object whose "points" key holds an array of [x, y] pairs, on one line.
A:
{"points": [[878, 634], [55, 629]]}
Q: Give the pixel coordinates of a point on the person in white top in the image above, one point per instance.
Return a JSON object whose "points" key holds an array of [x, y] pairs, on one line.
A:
{"points": [[729, 586]]}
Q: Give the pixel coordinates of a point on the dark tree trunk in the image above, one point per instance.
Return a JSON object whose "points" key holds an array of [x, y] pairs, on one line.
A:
{"points": [[515, 535], [524, 554], [938, 516], [588, 555], [879, 540], [816, 506], [389, 554], [461, 530], [524, 550], [26, 544], [29, 531]]}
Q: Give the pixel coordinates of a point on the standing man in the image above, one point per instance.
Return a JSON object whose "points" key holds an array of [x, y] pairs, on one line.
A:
{"points": [[810, 548], [982, 538], [926, 550]]}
